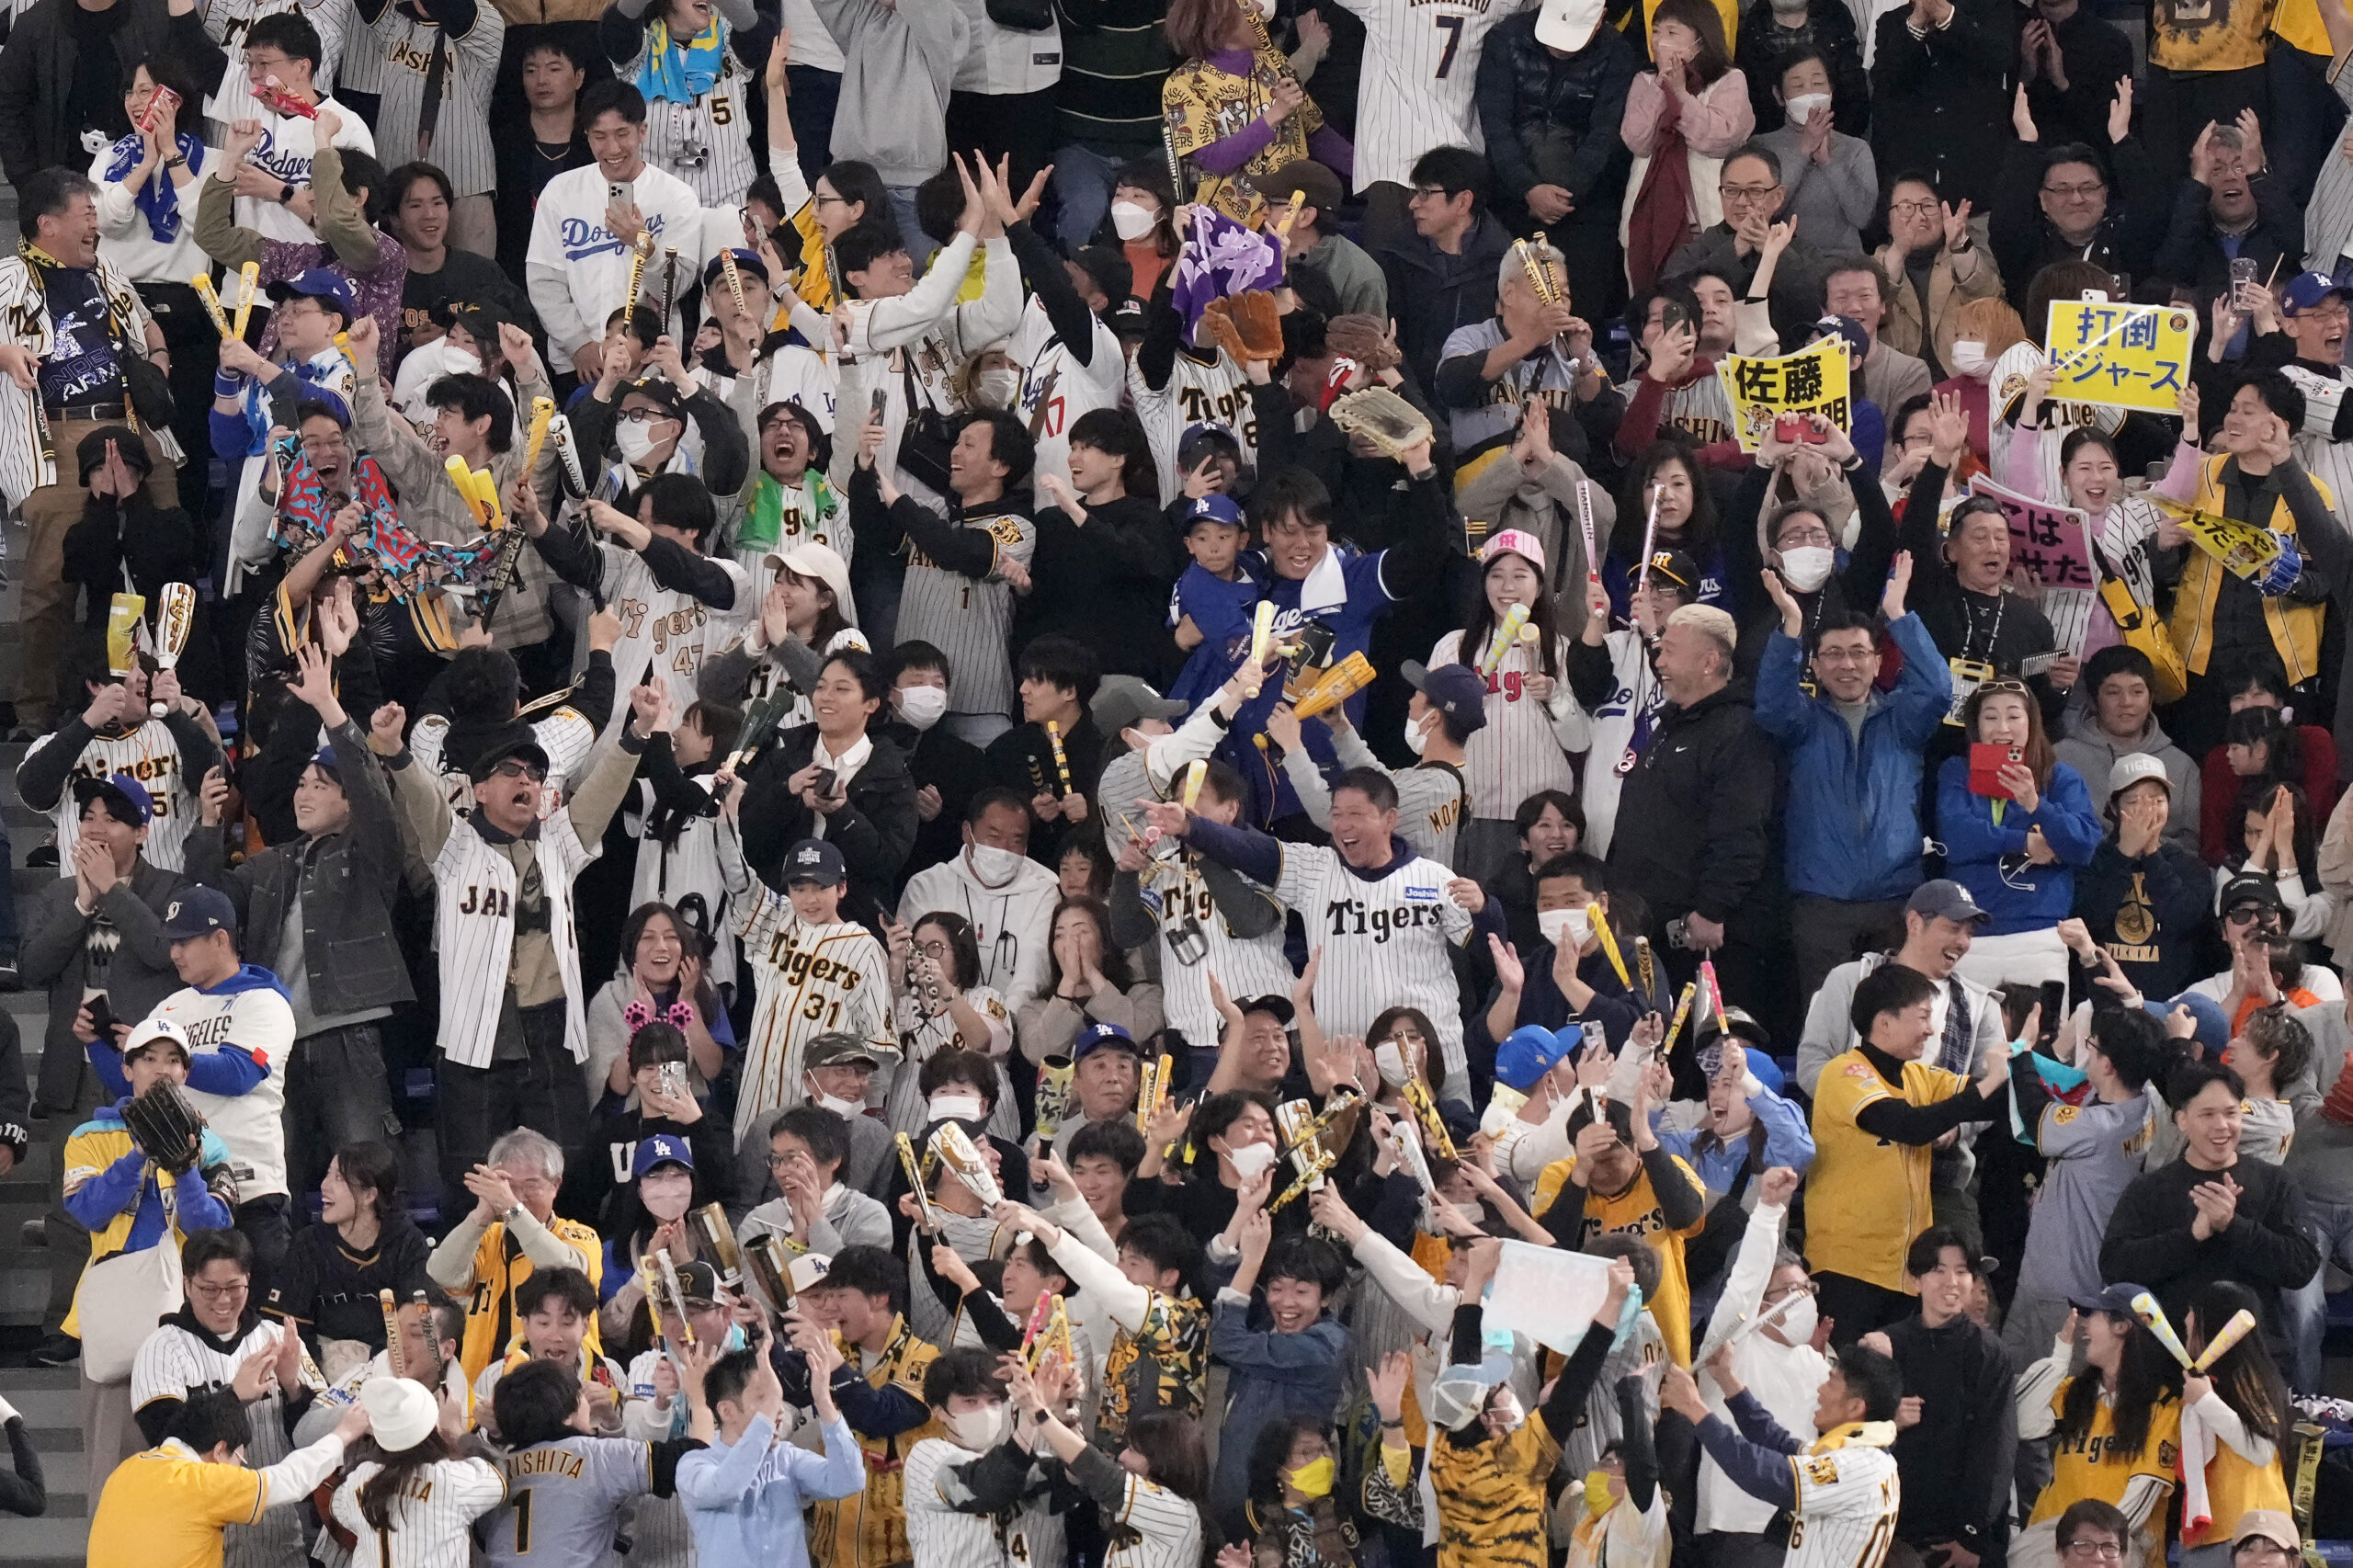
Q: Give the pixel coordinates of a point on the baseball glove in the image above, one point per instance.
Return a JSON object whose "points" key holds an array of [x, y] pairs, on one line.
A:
{"points": [[1364, 339], [1246, 326], [164, 1126]]}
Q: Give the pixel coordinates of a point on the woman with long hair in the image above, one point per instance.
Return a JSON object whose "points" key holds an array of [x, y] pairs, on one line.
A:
{"points": [[1666, 475], [1683, 117], [1088, 981], [2116, 1425], [415, 1475], [2236, 1416], [664, 965], [942, 1005], [1141, 222], [362, 1242], [2014, 835], [2279, 844], [1534, 722], [1236, 109]]}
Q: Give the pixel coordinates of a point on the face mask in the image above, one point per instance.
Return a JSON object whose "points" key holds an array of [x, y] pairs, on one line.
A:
{"points": [[1251, 1160], [978, 1429], [955, 1107], [841, 1108], [1807, 567], [1132, 222], [1597, 1491], [1806, 106], [458, 362], [1505, 1410], [994, 866], [1391, 1060], [1969, 360], [923, 706], [1797, 1324], [997, 388], [1564, 928], [636, 440], [1414, 738], [666, 1199], [1314, 1478]]}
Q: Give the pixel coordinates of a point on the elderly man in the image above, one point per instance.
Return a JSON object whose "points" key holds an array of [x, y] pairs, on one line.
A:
{"points": [[1709, 766], [512, 1231]]}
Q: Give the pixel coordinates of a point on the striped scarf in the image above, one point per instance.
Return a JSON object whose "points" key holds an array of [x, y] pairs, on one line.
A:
{"points": [[682, 75]]}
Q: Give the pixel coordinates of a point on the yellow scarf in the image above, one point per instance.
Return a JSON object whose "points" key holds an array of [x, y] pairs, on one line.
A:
{"points": [[1863, 1434]]}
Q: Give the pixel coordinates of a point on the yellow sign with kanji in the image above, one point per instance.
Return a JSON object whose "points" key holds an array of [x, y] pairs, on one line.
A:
{"points": [[2122, 356], [2244, 550], [1812, 380]]}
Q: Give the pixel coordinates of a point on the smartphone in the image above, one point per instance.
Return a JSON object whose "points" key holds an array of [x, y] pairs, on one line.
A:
{"points": [[1673, 315], [826, 779], [1796, 427], [616, 192], [671, 1078], [1985, 765], [164, 100], [101, 1018], [877, 403], [1595, 1039]]}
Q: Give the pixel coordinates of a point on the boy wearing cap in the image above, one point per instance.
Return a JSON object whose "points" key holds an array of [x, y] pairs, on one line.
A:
{"points": [[814, 974], [1216, 595], [114, 733], [1448, 706]]}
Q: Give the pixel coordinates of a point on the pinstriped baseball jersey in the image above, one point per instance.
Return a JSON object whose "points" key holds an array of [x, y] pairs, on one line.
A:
{"points": [[942, 1537], [1156, 1529], [1523, 748], [1056, 390], [473, 933], [1848, 1500], [970, 620], [1699, 408], [1387, 942], [432, 1519], [149, 754], [460, 145], [1198, 392], [566, 734], [227, 21], [811, 980], [664, 630], [178, 1359], [1421, 61], [1244, 966], [707, 142], [564, 1501]]}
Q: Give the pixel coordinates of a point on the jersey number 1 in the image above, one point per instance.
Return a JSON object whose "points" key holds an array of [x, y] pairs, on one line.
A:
{"points": [[1452, 28], [522, 1523]]}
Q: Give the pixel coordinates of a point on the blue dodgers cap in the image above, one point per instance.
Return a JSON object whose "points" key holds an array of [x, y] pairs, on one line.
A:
{"points": [[1859, 342], [1454, 690], [199, 911], [1097, 1036], [659, 1149], [322, 285], [2115, 1298], [814, 860], [2214, 1026], [2306, 290], [323, 760], [1212, 509], [1529, 1052], [126, 798]]}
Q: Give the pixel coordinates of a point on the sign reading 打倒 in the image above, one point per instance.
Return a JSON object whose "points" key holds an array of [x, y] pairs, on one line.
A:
{"points": [[2122, 356], [1812, 380]]}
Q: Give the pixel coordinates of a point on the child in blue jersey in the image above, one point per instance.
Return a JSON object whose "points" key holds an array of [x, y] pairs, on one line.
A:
{"points": [[1214, 599]]}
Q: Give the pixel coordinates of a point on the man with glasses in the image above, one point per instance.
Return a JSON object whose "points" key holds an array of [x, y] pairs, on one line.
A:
{"points": [[284, 57], [2055, 203], [1933, 265], [1753, 194], [1442, 275], [2093, 1534], [805, 1151]]}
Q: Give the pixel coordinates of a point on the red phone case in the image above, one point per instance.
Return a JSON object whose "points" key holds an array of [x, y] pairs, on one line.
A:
{"points": [[1985, 765]]}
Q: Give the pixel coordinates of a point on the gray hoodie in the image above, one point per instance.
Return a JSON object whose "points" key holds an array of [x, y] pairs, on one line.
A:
{"points": [[2090, 751], [897, 60]]}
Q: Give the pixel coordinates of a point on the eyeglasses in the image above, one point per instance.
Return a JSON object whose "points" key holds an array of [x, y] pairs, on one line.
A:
{"points": [[2015, 687], [2244, 913], [2106, 1551], [1436, 192], [1802, 1288], [821, 199], [204, 1291], [1914, 209], [644, 416], [1748, 193], [514, 768], [1798, 539], [1862, 655], [2076, 192]]}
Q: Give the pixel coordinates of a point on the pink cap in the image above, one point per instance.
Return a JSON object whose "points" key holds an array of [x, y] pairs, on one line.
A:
{"points": [[1518, 542]]}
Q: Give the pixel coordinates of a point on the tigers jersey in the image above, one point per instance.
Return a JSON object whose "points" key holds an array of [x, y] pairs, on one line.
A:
{"points": [[1386, 943], [922, 1034], [970, 620], [432, 1519], [150, 754], [1152, 1527], [226, 22], [1700, 408], [1195, 944], [1160, 1365], [1847, 1499], [500, 1268], [1635, 1212], [1622, 731], [2095, 1464], [1421, 60], [1199, 391], [664, 630], [868, 1528], [178, 1358], [1056, 390], [564, 1501], [705, 141], [810, 980], [1866, 1198], [1491, 1498], [1525, 745]]}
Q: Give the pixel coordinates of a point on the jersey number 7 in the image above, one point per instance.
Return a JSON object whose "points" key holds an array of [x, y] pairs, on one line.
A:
{"points": [[1452, 28]]}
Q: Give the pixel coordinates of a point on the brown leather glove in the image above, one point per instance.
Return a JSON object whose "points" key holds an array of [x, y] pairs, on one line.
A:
{"points": [[1364, 339], [1246, 326]]}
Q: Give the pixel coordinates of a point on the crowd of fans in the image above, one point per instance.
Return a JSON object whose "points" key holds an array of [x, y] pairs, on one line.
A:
{"points": [[989, 784]]}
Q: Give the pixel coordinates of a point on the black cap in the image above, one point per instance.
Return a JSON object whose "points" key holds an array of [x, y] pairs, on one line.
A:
{"points": [[1278, 1006], [516, 739], [91, 454], [2250, 889]]}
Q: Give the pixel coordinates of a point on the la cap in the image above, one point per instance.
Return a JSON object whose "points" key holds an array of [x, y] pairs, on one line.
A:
{"points": [[1941, 898]]}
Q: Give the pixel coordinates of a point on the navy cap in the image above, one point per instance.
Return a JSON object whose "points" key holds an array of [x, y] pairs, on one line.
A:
{"points": [[127, 799], [748, 265], [1529, 1052], [1858, 341], [2115, 1298], [1454, 690], [322, 285], [2306, 290], [1941, 898], [199, 911], [1097, 1036], [323, 760], [659, 1149], [1213, 509], [814, 860]]}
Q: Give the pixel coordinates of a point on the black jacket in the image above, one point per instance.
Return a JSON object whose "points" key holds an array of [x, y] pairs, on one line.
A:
{"points": [[873, 832], [950, 764], [345, 884], [1765, 45], [2095, 55], [55, 953], [2025, 243], [1943, 102], [2164, 900], [1534, 102], [135, 545], [1692, 818], [1431, 293], [1106, 582], [36, 73], [2192, 252], [330, 1292], [727, 451], [1967, 1435], [2266, 1249], [1022, 759]]}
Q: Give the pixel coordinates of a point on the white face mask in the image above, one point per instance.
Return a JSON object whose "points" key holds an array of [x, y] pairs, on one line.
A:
{"points": [[1969, 360], [1564, 928], [459, 362], [1806, 106], [1251, 1160], [1807, 567], [667, 1198], [1391, 1060], [979, 1430], [997, 388], [1414, 737], [841, 1108], [955, 1107], [1796, 1325], [994, 866], [923, 706], [1132, 222], [636, 440]]}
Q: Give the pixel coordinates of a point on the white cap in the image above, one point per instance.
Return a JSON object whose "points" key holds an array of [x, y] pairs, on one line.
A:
{"points": [[822, 563], [401, 1413], [1567, 24], [1461, 1392], [809, 1271], [2134, 767], [153, 1030]]}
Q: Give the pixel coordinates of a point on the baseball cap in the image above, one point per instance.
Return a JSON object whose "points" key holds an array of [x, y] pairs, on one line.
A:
{"points": [[1568, 24], [1944, 899], [835, 1047], [1461, 1390], [2210, 1025], [815, 861], [809, 1271], [824, 563], [91, 454], [2250, 889], [1454, 690], [699, 1282], [1097, 1037], [1213, 509], [1310, 178], [324, 759], [1529, 1052], [318, 283], [1858, 340], [747, 264], [147, 1033], [1109, 267], [659, 1149], [2133, 767], [2115, 1299], [1123, 700], [126, 798], [1126, 319], [2306, 290], [1514, 541], [199, 911], [1677, 568], [515, 739], [1279, 1006], [2267, 1524]]}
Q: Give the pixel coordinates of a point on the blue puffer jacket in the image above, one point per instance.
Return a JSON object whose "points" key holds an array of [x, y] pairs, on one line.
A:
{"points": [[1853, 826], [1988, 858]]}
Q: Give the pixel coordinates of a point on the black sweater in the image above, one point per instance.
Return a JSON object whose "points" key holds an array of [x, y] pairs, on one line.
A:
{"points": [[2265, 1248], [1967, 1435]]}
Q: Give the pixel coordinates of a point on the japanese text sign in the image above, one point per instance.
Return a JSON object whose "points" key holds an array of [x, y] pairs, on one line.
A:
{"points": [[2244, 550], [2053, 542], [1813, 380], [2122, 356]]}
